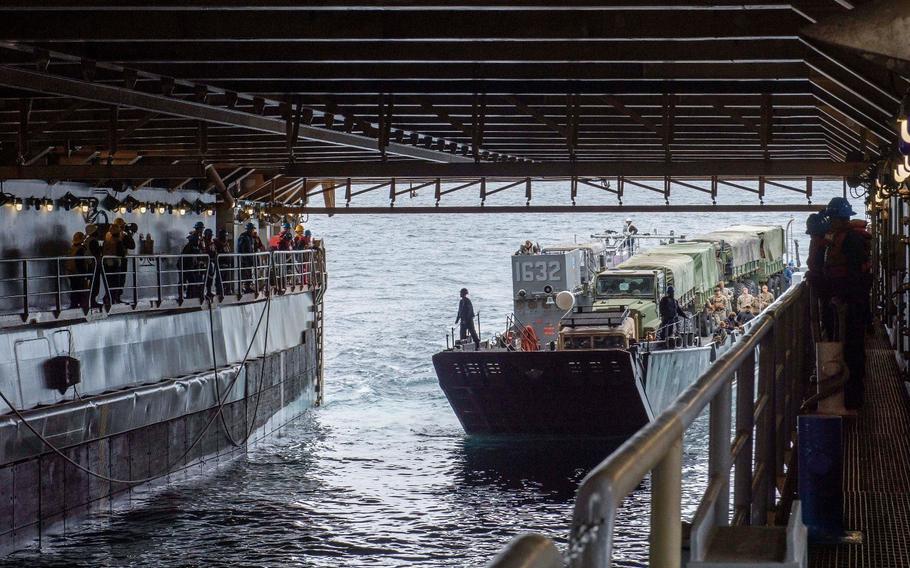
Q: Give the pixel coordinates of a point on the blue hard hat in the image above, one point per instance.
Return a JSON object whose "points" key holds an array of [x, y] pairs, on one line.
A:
{"points": [[286, 226], [670, 290], [308, 233], [199, 225], [817, 224], [250, 226], [839, 207], [791, 263]]}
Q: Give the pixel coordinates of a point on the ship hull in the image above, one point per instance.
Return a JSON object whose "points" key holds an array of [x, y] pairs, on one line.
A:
{"points": [[553, 393]]}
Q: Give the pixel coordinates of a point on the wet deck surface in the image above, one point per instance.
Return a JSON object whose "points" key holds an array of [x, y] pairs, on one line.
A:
{"points": [[876, 471]]}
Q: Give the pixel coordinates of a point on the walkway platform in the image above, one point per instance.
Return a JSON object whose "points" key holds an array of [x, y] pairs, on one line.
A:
{"points": [[876, 471]]}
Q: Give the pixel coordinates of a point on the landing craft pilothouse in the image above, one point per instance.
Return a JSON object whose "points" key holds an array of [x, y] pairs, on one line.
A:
{"points": [[583, 353]]}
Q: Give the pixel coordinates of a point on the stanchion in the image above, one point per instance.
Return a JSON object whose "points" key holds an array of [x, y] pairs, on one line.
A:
{"points": [[821, 476]]}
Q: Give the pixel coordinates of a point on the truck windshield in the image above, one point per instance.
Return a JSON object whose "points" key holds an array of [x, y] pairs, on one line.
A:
{"points": [[625, 286]]}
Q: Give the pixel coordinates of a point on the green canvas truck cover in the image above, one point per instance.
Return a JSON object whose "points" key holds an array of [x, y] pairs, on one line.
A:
{"points": [[772, 239], [681, 266], [704, 255]]}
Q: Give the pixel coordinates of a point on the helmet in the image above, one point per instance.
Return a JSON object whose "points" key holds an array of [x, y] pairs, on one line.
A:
{"points": [[78, 237], [285, 226], [670, 290], [308, 233], [817, 224], [119, 221], [463, 292], [250, 226], [199, 225], [628, 220], [839, 207], [791, 263], [91, 229], [207, 233], [298, 229]]}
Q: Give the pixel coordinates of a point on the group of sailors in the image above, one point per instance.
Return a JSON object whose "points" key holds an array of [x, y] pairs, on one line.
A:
{"points": [[91, 251], [727, 310]]}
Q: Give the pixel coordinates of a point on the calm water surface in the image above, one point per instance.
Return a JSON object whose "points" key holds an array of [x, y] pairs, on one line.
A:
{"points": [[382, 475]]}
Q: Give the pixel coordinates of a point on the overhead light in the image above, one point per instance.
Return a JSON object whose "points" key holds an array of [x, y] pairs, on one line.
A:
{"points": [[84, 207], [143, 208], [903, 130], [49, 204], [209, 211], [161, 208], [18, 204], [68, 201]]}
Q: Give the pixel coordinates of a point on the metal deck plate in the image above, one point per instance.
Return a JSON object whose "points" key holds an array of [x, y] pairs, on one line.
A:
{"points": [[876, 471]]}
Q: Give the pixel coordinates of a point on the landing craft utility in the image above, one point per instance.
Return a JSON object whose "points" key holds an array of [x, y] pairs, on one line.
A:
{"points": [[585, 352]]}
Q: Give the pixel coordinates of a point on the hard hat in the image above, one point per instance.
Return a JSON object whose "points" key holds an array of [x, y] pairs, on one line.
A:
{"points": [[308, 233], [285, 226], [839, 207], [207, 233], [199, 225], [791, 263], [91, 229], [250, 226], [463, 292], [78, 237], [119, 221], [629, 220], [298, 229], [670, 290], [817, 224]]}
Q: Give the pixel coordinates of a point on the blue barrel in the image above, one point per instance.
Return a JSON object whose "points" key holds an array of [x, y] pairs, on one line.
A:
{"points": [[821, 476]]}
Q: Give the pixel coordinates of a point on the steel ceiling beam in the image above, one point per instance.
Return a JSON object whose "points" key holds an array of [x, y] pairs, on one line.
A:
{"points": [[500, 209], [257, 25], [102, 172], [769, 168], [95, 92]]}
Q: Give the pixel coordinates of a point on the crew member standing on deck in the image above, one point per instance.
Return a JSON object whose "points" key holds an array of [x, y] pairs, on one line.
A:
{"points": [[745, 300], [845, 259], [670, 312], [765, 297], [630, 230], [466, 318]]}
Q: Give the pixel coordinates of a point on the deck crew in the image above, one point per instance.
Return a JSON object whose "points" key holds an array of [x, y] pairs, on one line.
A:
{"points": [[213, 271], [746, 315], [846, 259], [301, 241], [630, 230], [117, 241], [765, 297], [93, 245], [466, 318], [190, 266], [670, 312], [247, 246], [745, 300], [77, 267]]}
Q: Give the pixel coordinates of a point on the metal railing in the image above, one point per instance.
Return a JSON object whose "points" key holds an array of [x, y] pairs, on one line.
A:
{"points": [[56, 285], [777, 347]]}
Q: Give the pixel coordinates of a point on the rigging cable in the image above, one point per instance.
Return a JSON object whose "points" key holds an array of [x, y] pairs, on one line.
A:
{"points": [[168, 469]]}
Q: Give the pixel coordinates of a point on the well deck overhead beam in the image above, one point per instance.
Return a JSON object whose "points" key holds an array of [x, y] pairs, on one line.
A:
{"points": [[731, 168], [796, 207], [74, 88], [104, 172]]}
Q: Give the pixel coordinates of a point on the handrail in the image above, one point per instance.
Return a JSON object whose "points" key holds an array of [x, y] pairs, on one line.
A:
{"points": [[66, 287], [657, 447]]}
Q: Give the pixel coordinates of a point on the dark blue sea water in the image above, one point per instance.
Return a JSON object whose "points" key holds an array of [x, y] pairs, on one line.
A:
{"points": [[382, 474]]}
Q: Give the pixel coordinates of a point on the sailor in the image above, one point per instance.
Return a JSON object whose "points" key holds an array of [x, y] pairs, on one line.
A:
{"points": [[93, 246], [118, 240], [629, 230], [466, 318], [198, 230], [745, 300], [788, 273], [670, 312], [245, 247], [846, 260], [526, 247], [745, 316], [77, 266], [213, 273], [191, 265], [765, 297], [300, 242]]}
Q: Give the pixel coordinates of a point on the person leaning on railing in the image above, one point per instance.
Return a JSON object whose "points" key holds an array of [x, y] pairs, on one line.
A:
{"points": [[213, 273]]}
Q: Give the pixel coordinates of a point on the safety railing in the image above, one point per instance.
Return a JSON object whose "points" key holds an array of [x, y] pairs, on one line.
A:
{"points": [[778, 348], [29, 285], [67, 285]]}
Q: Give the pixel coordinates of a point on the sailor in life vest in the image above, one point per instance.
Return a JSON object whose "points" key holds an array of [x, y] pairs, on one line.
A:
{"points": [[847, 268]]}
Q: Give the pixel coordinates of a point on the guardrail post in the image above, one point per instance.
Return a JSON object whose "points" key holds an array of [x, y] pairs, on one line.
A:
{"points": [[24, 290], [158, 280], [719, 450], [57, 287], [135, 279], [666, 509], [745, 424]]}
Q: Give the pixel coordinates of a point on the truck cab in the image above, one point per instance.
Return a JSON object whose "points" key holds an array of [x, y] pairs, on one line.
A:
{"points": [[636, 291]]}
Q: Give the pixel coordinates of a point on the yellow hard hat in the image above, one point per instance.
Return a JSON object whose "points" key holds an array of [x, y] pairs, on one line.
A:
{"points": [[298, 229]]}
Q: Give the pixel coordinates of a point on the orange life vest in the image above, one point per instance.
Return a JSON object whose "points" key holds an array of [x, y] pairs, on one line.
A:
{"points": [[836, 262]]}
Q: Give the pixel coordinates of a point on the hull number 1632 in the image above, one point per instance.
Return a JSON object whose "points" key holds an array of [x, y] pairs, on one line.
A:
{"points": [[538, 271]]}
